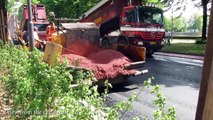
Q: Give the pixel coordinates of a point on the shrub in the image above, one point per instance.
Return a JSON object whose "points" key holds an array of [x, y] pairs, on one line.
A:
{"points": [[200, 41], [40, 91]]}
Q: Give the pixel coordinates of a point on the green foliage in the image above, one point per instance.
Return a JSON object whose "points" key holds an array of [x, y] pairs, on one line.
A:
{"points": [[179, 24], [168, 24], [12, 5], [148, 82], [162, 113], [40, 91], [182, 25], [200, 41], [68, 8], [158, 3], [195, 23], [160, 102]]}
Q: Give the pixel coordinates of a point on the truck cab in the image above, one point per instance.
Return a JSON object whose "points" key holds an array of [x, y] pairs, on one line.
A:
{"points": [[39, 19], [142, 26]]}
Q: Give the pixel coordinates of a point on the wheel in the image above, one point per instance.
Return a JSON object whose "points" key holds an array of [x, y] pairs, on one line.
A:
{"points": [[122, 40], [149, 54], [105, 43]]}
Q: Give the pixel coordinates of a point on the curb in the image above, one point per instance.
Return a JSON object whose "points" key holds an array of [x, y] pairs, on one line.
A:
{"points": [[181, 55]]}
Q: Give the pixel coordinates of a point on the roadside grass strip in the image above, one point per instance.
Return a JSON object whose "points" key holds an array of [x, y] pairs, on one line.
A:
{"points": [[186, 48]]}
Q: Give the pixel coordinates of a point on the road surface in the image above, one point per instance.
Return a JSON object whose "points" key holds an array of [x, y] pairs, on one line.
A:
{"points": [[179, 79]]}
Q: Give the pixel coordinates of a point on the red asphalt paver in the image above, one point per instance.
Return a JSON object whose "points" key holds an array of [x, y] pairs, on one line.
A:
{"points": [[180, 55]]}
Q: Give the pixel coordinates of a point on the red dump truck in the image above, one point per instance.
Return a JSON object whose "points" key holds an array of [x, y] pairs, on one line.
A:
{"points": [[39, 19], [128, 22]]}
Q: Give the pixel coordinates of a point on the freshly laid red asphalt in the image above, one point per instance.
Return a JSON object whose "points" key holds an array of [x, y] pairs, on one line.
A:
{"points": [[105, 63]]}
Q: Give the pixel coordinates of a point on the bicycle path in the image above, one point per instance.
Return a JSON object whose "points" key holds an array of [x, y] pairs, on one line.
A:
{"points": [[189, 56]]}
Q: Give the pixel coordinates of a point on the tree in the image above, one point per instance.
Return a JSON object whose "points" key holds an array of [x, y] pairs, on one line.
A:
{"points": [[195, 23], [206, 81], [68, 8], [182, 4], [158, 3], [204, 4], [12, 5], [177, 6], [179, 25], [3, 20], [167, 24], [15, 7]]}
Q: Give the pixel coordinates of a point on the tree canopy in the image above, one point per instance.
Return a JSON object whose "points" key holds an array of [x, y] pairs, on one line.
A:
{"points": [[195, 23], [13, 5], [68, 8], [61, 8]]}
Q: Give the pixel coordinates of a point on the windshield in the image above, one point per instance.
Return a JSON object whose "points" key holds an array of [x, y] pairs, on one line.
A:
{"points": [[41, 27], [150, 15]]}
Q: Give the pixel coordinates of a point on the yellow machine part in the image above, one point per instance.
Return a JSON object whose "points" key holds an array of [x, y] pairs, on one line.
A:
{"points": [[51, 52], [139, 52], [58, 38], [131, 51]]}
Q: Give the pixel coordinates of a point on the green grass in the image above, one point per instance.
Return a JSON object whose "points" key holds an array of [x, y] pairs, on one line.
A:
{"points": [[187, 48]]}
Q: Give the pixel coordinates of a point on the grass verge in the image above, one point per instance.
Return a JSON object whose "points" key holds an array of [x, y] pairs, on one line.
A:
{"points": [[186, 48]]}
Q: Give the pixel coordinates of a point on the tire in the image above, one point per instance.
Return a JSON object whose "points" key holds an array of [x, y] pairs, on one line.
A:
{"points": [[105, 43], [149, 54], [122, 41]]}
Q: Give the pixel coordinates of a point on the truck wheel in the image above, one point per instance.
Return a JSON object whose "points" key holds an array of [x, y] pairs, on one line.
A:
{"points": [[122, 41], [149, 53], [105, 43]]}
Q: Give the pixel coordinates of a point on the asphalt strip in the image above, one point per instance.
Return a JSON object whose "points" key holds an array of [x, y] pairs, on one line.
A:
{"points": [[196, 57]]}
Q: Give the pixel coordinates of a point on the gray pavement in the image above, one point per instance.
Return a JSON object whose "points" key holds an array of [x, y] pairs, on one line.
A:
{"points": [[170, 54], [179, 79]]}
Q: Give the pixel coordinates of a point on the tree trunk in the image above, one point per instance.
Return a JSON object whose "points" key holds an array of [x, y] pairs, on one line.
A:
{"points": [[204, 21], [206, 71], [3, 21]]}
